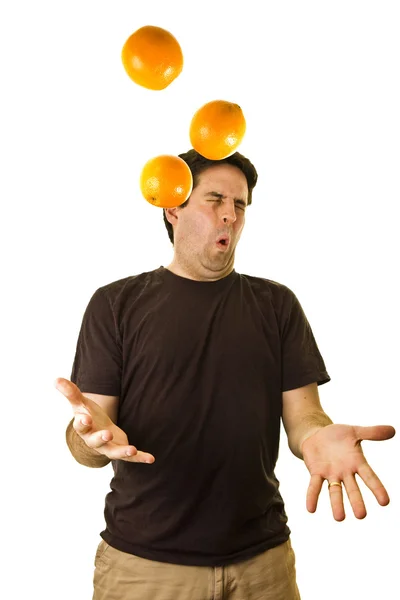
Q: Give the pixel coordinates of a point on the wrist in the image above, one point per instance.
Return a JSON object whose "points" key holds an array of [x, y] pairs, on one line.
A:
{"points": [[89, 457], [308, 435], [308, 426]]}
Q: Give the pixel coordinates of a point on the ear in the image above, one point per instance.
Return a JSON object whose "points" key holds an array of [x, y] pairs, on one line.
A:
{"points": [[171, 214]]}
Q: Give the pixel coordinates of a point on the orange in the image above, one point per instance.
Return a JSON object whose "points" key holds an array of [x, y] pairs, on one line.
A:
{"points": [[152, 57], [217, 129], [166, 181]]}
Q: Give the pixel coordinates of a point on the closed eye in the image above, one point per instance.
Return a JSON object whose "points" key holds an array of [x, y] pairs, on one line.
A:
{"points": [[216, 197], [240, 205]]}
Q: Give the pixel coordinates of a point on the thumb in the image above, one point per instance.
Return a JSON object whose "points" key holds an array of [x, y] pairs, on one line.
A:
{"points": [[70, 391], [375, 433]]}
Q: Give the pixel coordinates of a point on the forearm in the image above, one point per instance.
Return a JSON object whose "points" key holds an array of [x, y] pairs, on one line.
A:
{"points": [[81, 452], [306, 427]]}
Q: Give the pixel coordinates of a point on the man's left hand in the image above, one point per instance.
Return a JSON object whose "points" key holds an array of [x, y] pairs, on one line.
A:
{"points": [[334, 453]]}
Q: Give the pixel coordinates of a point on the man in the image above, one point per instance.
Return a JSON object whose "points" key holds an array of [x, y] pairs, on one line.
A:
{"points": [[181, 377]]}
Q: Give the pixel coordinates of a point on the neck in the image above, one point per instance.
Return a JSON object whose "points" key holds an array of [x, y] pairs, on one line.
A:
{"points": [[198, 271]]}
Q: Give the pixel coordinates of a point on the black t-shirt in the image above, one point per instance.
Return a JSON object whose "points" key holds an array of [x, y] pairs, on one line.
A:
{"points": [[199, 368]]}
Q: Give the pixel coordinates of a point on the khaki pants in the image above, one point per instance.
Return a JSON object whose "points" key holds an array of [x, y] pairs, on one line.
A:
{"points": [[270, 575]]}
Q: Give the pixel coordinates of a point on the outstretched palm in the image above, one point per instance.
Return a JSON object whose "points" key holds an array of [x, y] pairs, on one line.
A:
{"points": [[334, 453]]}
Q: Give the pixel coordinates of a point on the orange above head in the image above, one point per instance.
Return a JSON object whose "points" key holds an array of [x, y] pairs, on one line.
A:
{"points": [[217, 129], [152, 57], [166, 181]]}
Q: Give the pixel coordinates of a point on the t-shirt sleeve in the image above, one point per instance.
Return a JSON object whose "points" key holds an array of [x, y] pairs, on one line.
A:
{"points": [[97, 366], [302, 362]]}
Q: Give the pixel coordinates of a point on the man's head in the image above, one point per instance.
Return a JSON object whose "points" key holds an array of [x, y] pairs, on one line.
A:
{"points": [[197, 164], [222, 189]]}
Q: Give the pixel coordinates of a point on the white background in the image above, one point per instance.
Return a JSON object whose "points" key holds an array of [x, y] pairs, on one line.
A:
{"points": [[318, 83]]}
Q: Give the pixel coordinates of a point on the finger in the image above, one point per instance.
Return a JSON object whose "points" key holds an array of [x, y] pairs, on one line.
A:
{"points": [[100, 438], [70, 391], [82, 423], [143, 457], [103, 440], [313, 492], [110, 449], [355, 497], [372, 481], [127, 453], [336, 497], [375, 433]]}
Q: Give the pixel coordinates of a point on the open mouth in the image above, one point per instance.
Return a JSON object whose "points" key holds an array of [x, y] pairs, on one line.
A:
{"points": [[223, 242]]}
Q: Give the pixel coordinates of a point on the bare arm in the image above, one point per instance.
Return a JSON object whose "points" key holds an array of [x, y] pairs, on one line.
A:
{"points": [[302, 415], [331, 451]]}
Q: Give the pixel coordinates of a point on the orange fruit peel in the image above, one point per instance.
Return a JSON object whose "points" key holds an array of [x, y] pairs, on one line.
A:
{"points": [[166, 181], [217, 129], [152, 57]]}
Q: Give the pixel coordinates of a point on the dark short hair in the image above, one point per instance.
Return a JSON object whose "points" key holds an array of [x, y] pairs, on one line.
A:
{"points": [[197, 164]]}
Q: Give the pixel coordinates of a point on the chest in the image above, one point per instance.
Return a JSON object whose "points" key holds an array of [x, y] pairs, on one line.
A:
{"points": [[195, 368], [229, 335]]}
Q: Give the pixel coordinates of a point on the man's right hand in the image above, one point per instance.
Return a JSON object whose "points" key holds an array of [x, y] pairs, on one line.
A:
{"points": [[96, 428]]}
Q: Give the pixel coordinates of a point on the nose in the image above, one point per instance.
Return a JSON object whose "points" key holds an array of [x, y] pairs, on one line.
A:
{"points": [[228, 212]]}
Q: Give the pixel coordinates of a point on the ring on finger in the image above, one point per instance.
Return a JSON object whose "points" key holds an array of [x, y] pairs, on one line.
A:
{"points": [[334, 483]]}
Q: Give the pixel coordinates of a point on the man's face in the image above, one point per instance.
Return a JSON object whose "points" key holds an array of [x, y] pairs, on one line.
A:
{"points": [[216, 209]]}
